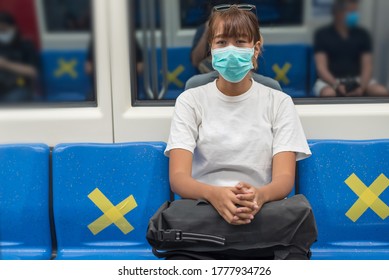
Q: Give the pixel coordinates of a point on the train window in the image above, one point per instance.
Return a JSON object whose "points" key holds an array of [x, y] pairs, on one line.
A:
{"points": [[165, 36], [163, 33], [145, 8], [147, 20], [270, 12], [46, 55], [67, 15]]}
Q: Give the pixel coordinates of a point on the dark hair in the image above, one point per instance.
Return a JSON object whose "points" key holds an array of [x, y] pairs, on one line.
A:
{"points": [[236, 23], [7, 18]]}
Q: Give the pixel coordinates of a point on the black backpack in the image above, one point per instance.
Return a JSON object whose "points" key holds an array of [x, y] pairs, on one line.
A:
{"points": [[283, 229]]}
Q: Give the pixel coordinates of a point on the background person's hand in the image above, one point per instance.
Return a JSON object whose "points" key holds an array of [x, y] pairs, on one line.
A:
{"points": [[341, 90], [356, 92]]}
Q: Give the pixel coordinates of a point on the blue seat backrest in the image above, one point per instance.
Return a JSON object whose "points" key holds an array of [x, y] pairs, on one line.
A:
{"points": [[64, 77], [104, 195], [24, 202], [289, 65], [347, 183]]}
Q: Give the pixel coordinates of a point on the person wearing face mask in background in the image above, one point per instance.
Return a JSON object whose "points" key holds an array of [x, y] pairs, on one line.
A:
{"points": [[200, 54], [18, 63], [343, 56], [234, 142]]}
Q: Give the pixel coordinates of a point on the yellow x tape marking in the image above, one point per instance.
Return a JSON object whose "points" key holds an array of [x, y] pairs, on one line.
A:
{"points": [[368, 197], [66, 67], [112, 214], [281, 73], [20, 81], [172, 77]]}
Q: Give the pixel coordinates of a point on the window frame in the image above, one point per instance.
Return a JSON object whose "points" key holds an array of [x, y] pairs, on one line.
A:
{"points": [[40, 7]]}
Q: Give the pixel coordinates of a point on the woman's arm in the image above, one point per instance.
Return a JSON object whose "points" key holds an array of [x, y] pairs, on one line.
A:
{"points": [[224, 199], [181, 181], [283, 175]]}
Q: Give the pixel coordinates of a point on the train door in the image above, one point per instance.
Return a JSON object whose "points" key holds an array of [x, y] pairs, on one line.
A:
{"points": [[134, 24]]}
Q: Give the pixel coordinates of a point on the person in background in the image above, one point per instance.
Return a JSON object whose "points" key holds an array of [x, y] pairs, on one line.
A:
{"points": [[200, 54], [18, 63], [343, 56]]}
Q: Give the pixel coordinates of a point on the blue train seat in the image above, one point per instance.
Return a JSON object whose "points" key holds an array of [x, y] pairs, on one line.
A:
{"points": [[103, 197], [64, 77], [24, 202], [347, 185]]}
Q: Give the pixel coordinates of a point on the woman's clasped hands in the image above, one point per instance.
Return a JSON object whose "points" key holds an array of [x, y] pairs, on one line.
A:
{"points": [[238, 205]]}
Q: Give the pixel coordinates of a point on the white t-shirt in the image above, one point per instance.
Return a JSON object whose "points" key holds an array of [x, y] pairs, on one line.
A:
{"points": [[234, 139]]}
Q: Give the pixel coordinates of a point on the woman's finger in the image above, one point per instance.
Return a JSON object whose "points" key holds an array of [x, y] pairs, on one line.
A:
{"points": [[244, 216], [241, 222], [246, 203], [249, 196]]}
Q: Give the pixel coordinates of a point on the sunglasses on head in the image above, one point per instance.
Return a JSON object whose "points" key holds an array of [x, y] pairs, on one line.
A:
{"points": [[243, 7]]}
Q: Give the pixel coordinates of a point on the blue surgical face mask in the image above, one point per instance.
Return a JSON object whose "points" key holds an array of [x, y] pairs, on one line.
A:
{"points": [[352, 19], [233, 63]]}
